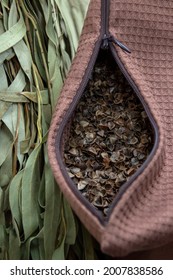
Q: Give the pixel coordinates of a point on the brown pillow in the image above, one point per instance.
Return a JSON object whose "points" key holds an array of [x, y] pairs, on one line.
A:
{"points": [[139, 36]]}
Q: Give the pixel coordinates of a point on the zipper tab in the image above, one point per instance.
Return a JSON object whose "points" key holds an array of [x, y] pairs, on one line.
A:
{"points": [[106, 36], [109, 38], [105, 41], [121, 45]]}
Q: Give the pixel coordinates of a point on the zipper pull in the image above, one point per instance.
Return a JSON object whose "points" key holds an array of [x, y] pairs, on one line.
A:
{"points": [[109, 38], [118, 43], [105, 41]]}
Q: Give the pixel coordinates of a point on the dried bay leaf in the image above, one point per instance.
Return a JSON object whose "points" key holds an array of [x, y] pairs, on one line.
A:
{"points": [[13, 35], [70, 224], [14, 200], [14, 246], [30, 183], [6, 141], [6, 173], [52, 213], [3, 242], [4, 83]]}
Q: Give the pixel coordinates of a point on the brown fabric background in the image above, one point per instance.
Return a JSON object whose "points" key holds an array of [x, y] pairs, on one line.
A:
{"points": [[143, 219]]}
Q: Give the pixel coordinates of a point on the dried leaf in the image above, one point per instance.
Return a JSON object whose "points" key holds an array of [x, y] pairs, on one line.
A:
{"points": [[30, 183], [33, 66]]}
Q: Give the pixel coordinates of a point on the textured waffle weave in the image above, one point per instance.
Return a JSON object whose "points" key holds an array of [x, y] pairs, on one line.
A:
{"points": [[143, 218]]}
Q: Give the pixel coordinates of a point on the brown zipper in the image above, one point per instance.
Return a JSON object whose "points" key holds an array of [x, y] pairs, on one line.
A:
{"points": [[105, 41]]}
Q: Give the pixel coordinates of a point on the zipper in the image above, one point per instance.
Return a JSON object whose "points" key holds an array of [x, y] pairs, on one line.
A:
{"points": [[105, 5], [106, 36], [105, 41]]}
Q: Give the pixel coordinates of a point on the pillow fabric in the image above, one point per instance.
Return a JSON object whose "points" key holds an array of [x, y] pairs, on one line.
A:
{"points": [[142, 216]]}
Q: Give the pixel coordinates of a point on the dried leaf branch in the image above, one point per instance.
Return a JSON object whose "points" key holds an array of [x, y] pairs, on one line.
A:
{"points": [[35, 221]]}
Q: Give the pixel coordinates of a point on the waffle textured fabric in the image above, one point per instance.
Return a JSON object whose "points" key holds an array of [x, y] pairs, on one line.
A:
{"points": [[143, 217]]}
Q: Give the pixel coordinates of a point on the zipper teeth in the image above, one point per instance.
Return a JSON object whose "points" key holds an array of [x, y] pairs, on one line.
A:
{"points": [[105, 16]]}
